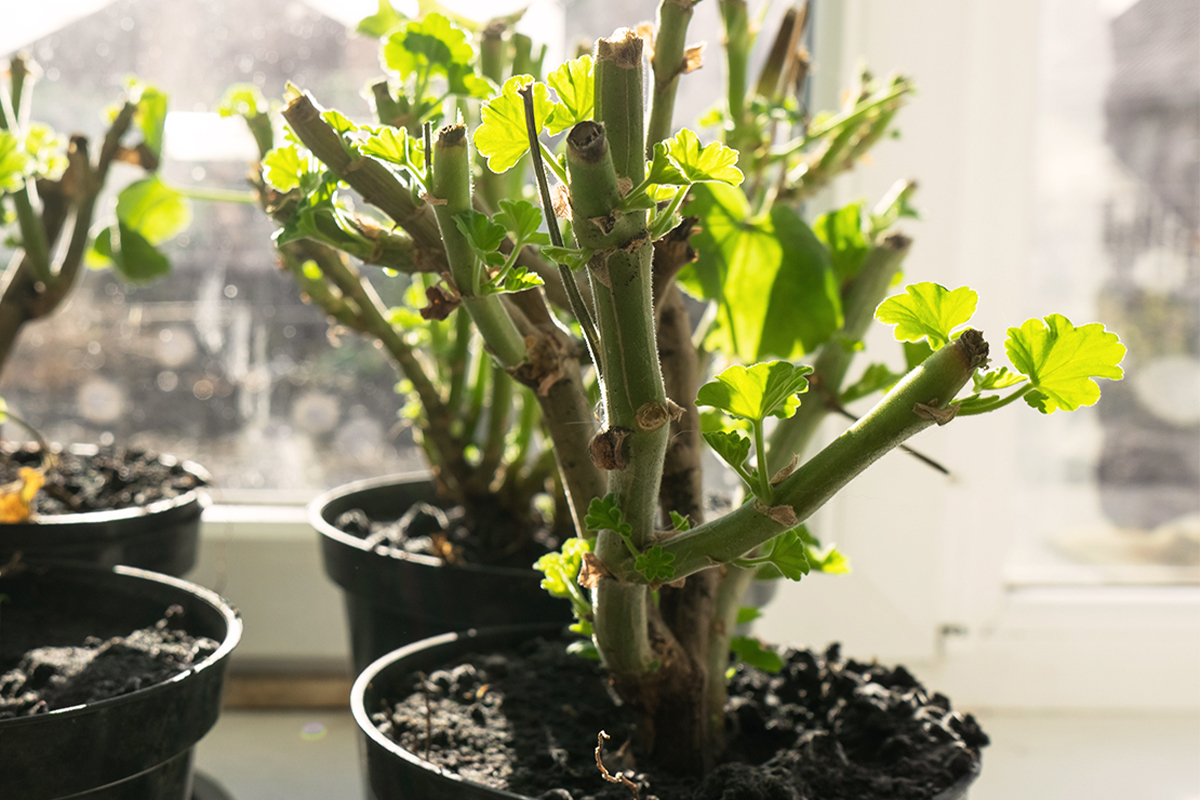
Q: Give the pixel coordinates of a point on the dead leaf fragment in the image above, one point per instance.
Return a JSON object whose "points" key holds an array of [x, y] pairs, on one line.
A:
{"points": [[693, 57], [931, 411], [560, 200], [591, 571], [784, 515], [441, 303], [16, 498]]}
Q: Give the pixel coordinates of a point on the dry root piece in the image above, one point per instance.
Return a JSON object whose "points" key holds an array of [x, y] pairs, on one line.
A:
{"points": [[604, 773]]}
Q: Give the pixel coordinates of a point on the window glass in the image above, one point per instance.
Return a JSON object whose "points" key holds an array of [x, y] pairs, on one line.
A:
{"points": [[1115, 491], [220, 361]]}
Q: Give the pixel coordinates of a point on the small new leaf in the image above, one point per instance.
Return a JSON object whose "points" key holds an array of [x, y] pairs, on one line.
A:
{"points": [[516, 279], [756, 392], [1061, 361], [655, 564], [731, 446], [927, 311], [483, 235], [153, 209], [789, 553], [501, 138], [382, 21], [679, 521], [604, 515], [561, 569], [752, 652], [285, 168], [876, 377], [435, 46], [522, 219], [575, 86], [747, 614], [14, 162], [997, 379], [388, 144]]}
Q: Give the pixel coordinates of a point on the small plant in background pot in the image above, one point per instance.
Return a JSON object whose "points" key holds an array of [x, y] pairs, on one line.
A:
{"points": [[639, 212], [102, 505]]}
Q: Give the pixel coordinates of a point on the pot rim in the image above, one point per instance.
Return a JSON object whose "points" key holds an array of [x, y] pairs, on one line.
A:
{"points": [[233, 634], [363, 719], [198, 495], [328, 530]]}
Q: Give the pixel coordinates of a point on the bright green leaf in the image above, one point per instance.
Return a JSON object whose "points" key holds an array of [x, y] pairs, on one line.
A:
{"points": [[242, 100], [1061, 360], [516, 279], [752, 652], [841, 231], [339, 121], [662, 170], [435, 46], [680, 522], [776, 294], [387, 144], [14, 162], [151, 115], [714, 162], [997, 379], [584, 648], [915, 353], [758, 391], [830, 561], [378, 24], [655, 564], [927, 311], [502, 137], [47, 149], [153, 209], [562, 568], [483, 235], [288, 167], [731, 446], [575, 86]]}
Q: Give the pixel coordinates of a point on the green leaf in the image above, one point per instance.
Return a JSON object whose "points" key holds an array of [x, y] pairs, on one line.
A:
{"points": [[435, 46], [522, 219], [46, 149], [997, 379], [584, 648], [758, 391], [516, 279], [789, 554], [289, 167], [841, 231], [242, 100], [747, 614], [915, 353], [1061, 361], [562, 568], [752, 652], [387, 144], [876, 377], [425, 7], [131, 254], [151, 115], [153, 209], [712, 163], [776, 293], [731, 446], [830, 561], [678, 521], [502, 138], [15, 162], [483, 235], [655, 564], [378, 24], [927, 311], [572, 81], [604, 515]]}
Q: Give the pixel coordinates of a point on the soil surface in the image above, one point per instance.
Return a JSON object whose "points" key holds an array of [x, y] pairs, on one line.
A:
{"points": [[49, 678], [823, 728], [485, 536], [111, 478]]}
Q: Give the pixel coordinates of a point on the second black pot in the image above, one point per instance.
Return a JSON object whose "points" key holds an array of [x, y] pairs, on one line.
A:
{"points": [[136, 746], [395, 598]]}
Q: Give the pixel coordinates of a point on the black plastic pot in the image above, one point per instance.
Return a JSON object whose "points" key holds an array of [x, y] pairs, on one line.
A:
{"points": [[393, 598], [136, 746], [394, 773], [161, 536]]}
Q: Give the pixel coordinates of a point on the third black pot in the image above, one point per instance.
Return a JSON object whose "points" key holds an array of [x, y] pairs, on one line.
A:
{"points": [[394, 598], [394, 773]]}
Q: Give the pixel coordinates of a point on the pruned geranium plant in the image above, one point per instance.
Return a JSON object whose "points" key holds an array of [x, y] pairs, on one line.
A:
{"points": [[637, 213]]}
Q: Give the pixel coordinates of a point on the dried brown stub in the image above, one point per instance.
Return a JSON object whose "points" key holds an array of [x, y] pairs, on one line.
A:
{"points": [[607, 448]]}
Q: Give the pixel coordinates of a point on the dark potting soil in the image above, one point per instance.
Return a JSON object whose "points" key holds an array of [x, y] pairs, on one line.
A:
{"points": [[109, 479], [50, 678], [453, 535], [823, 728]]}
